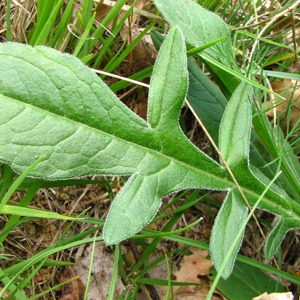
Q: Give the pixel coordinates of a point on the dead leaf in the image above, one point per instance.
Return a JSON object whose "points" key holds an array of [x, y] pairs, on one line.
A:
{"points": [[290, 90], [73, 290], [6, 293], [275, 296], [192, 268], [102, 267]]}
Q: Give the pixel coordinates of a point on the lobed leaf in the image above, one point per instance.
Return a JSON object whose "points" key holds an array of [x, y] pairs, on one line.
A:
{"points": [[209, 104], [167, 92], [52, 105], [234, 140], [235, 134]]}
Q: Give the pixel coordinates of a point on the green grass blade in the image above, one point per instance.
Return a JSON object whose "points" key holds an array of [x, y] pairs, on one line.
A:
{"points": [[17, 183], [45, 23], [246, 282], [111, 39], [6, 179], [203, 47], [137, 77], [13, 287], [118, 59], [84, 39], [24, 203], [264, 131], [61, 30], [86, 12], [9, 36], [237, 74], [88, 281], [112, 14], [247, 260], [30, 212], [114, 277]]}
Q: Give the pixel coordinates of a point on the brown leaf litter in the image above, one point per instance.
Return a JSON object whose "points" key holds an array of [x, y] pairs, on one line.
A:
{"points": [[192, 269], [287, 110]]}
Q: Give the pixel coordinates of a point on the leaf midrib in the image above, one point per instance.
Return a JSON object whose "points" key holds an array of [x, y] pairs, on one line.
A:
{"points": [[145, 149], [192, 168]]}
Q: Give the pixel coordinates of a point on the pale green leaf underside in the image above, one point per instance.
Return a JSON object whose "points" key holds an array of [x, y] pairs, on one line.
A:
{"points": [[234, 142], [199, 26], [231, 216], [51, 104], [235, 128]]}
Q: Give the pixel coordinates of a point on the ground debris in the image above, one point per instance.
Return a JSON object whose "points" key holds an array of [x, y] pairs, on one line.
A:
{"points": [[275, 296], [102, 267], [193, 269], [73, 290]]}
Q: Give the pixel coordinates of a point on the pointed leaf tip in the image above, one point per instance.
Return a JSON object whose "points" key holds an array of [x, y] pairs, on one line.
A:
{"points": [[227, 225]]}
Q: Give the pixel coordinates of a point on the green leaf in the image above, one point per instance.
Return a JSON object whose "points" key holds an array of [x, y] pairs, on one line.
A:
{"points": [[167, 91], [279, 149], [277, 235], [199, 26], [246, 282], [235, 128], [202, 27], [290, 161], [231, 216], [234, 139], [209, 104], [206, 98], [51, 104]]}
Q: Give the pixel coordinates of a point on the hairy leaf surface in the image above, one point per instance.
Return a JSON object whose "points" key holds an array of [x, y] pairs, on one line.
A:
{"points": [[51, 104], [234, 134], [196, 24], [231, 216]]}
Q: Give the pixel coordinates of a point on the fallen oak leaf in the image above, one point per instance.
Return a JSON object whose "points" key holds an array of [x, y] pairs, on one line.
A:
{"points": [[74, 288], [191, 269], [101, 273], [290, 90]]}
